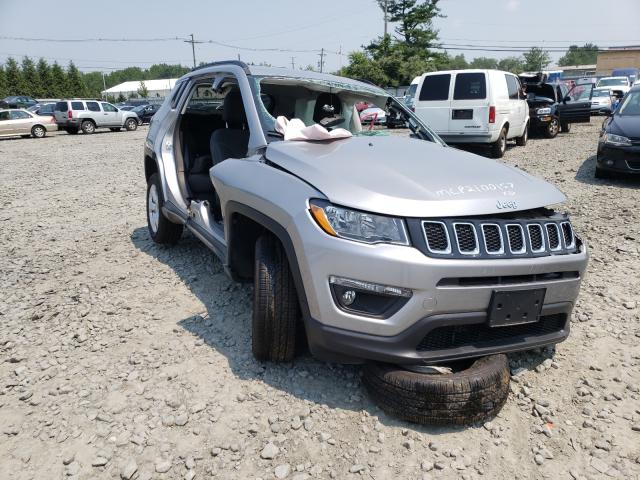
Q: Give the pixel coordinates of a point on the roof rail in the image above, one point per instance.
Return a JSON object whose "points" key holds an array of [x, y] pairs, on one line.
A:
{"points": [[239, 63]]}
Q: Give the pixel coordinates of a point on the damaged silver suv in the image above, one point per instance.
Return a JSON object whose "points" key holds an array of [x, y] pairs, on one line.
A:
{"points": [[373, 246]]}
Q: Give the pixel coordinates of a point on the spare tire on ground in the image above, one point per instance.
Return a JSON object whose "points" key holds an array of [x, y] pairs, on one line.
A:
{"points": [[469, 395]]}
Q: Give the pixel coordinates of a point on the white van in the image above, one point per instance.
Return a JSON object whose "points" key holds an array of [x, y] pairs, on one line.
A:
{"points": [[474, 106]]}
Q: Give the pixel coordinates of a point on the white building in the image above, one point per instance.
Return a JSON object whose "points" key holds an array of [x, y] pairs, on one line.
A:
{"points": [[156, 88]]}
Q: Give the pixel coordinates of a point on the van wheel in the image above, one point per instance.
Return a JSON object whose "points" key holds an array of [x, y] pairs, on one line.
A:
{"points": [[522, 140], [160, 228], [499, 146], [552, 128], [88, 127], [466, 396], [275, 303], [131, 124], [565, 127]]}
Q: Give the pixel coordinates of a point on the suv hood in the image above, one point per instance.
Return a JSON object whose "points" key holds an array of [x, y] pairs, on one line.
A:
{"points": [[411, 178]]}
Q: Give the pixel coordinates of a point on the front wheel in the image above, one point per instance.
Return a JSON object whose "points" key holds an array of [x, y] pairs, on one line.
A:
{"points": [[275, 303], [131, 124], [499, 146], [160, 228], [522, 140], [552, 128]]}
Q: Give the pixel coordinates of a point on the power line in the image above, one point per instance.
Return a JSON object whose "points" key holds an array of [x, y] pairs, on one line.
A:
{"points": [[83, 40]]}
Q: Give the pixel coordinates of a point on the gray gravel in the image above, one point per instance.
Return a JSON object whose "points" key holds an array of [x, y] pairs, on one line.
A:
{"points": [[121, 359]]}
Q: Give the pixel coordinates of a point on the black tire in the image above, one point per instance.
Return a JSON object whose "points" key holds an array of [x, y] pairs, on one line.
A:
{"points": [[131, 124], [275, 303], [499, 146], [552, 128], [521, 141], [565, 127], [38, 131], [461, 398], [88, 127], [165, 232], [116, 129]]}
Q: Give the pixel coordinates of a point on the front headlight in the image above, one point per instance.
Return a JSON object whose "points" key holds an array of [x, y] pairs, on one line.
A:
{"points": [[618, 140], [543, 111], [359, 226]]}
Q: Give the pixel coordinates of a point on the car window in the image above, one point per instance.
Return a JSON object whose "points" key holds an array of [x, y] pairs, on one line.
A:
{"points": [[77, 106], [435, 87], [107, 107], [4, 116], [47, 109], [177, 92], [470, 86], [630, 104], [513, 87], [204, 98], [61, 107], [93, 106], [19, 115]]}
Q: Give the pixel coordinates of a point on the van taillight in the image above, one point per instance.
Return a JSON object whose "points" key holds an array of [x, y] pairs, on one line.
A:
{"points": [[492, 114]]}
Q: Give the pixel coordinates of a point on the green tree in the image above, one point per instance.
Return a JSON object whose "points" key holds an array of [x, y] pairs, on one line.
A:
{"points": [[30, 77], [94, 84], [3, 83], [76, 85], [15, 83], [483, 62], [45, 79], [457, 63], [414, 19], [536, 59], [585, 55], [511, 64], [143, 91], [59, 86]]}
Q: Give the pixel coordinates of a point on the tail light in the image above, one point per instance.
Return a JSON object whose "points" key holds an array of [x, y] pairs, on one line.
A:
{"points": [[53, 120], [492, 114], [70, 114]]}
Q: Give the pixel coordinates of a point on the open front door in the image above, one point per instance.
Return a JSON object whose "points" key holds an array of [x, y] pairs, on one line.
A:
{"points": [[576, 106]]}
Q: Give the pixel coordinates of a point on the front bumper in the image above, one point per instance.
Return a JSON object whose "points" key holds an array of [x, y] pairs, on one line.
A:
{"points": [[335, 334], [618, 159], [540, 121]]}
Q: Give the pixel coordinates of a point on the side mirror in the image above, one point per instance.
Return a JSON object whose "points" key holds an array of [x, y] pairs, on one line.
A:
{"points": [[566, 99]]}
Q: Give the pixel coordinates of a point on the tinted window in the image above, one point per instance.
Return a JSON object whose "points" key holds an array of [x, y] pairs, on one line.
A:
{"points": [[77, 106], [107, 107], [18, 115], [61, 107], [512, 87], [46, 109], [435, 87], [470, 86], [4, 116], [93, 106]]}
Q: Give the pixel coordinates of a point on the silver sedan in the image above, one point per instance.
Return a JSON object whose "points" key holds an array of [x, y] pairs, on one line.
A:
{"points": [[16, 122]]}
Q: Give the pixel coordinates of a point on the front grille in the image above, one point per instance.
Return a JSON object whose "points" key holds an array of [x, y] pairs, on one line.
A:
{"points": [[466, 238], [497, 237], [483, 336], [436, 235]]}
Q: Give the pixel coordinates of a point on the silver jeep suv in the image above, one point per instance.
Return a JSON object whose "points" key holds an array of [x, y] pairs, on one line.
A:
{"points": [[378, 247], [87, 115]]}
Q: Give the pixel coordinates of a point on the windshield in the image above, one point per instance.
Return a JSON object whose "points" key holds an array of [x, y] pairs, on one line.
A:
{"points": [[332, 104], [601, 93], [608, 82], [630, 104]]}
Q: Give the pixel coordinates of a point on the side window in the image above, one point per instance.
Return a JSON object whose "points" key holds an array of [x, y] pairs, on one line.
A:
{"points": [[18, 115], [4, 116], [107, 107], [61, 107], [435, 87], [513, 87], [93, 106], [470, 86], [77, 106]]}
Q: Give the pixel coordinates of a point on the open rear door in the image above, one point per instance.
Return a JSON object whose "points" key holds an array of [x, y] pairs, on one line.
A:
{"points": [[576, 106]]}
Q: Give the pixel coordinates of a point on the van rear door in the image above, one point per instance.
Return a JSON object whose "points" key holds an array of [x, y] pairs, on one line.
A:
{"points": [[469, 104], [432, 104]]}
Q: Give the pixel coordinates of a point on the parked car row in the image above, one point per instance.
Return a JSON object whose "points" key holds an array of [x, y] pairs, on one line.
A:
{"points": [[19, 122]]}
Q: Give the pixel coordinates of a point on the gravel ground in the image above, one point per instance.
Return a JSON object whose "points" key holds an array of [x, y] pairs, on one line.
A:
{"points": [[120, 359]]}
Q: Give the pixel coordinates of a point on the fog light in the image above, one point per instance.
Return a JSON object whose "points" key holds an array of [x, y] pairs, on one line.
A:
{"points": [[609, 163], [348, 297], [370, 287]]}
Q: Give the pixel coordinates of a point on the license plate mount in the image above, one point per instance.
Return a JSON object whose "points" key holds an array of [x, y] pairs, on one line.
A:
{"points": [[462, 114], [515, 307]]}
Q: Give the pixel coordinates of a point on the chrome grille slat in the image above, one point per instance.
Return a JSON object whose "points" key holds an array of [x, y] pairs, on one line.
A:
{"points": [[553, 234], [536, 237], [437, 237], [515, 233], [466, 238], [492, 236]]}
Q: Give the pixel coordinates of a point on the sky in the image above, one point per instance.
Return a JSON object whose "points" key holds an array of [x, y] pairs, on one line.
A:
{"points": [[292, 28]]}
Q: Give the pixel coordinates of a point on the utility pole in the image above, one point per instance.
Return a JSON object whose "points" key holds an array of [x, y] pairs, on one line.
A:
{"points": [[293, 63], [385, 17], [321, 59], [193, 48], [104, 85]]}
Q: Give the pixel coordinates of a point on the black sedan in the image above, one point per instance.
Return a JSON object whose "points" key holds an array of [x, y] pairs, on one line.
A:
{"points": [[619, 143], [146, 112], [17, 101]]}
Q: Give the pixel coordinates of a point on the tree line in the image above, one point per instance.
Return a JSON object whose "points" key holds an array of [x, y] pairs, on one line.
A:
{"points": [[43, 80], [412, 48]]}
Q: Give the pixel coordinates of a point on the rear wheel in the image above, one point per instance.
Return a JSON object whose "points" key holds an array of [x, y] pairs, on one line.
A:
{"points": [[38, 131], [499, 146], [275, 303], [522, 140], [160, 228], [552, 128], [131, 124], [88, 127], [466, 396]]}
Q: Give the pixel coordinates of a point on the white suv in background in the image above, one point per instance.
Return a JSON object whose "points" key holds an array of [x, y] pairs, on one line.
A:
{"points": [[87, 115], [474, 106]]}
